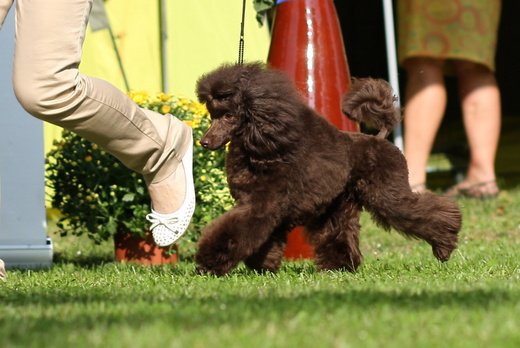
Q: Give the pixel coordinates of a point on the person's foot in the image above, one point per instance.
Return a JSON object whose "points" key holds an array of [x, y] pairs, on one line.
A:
{"points": [[174, 203], [482, 190], [419, 188], [3, 273]]}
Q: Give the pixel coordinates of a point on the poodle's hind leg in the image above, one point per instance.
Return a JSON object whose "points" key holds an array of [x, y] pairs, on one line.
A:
{"points": [[269, 256], [433, 218], [232, 238], [335, 236]]}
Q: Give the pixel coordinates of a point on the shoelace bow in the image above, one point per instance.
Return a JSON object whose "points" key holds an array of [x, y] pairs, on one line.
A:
{"points": [[167, 221]]}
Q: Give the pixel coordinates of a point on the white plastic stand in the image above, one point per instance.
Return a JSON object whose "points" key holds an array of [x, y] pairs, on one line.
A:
{"points": [[23, 240]]}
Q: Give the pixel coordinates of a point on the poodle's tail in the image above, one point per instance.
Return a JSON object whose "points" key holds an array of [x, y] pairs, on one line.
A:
{"points": [[372, 102]]}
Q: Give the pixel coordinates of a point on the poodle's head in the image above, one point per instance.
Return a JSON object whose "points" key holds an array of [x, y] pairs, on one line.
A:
{"points": [[245, 101]]}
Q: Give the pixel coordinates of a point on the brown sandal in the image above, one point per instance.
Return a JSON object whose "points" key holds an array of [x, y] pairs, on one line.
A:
{"points": [[483, 190]]}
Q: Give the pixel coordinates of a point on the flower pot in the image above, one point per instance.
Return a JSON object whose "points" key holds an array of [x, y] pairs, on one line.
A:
{"points": [[131, 248], [308, 45]]}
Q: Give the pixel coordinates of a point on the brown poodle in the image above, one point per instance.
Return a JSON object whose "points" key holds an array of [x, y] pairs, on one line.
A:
{"points": [[287, 166]]}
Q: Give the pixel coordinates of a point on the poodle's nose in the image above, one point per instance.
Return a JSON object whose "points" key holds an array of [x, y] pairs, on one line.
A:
{"points": [[204, 143]]}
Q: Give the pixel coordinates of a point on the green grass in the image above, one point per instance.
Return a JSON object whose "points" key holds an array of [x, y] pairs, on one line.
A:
{"points": [[400, 297]]}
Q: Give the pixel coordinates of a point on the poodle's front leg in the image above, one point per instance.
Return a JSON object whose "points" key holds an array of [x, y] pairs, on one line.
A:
{"points": [[232, 238], [269, 256]]}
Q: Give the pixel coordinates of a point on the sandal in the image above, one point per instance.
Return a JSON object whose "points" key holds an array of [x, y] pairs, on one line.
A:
{"points": [[168, 228], [419, 188], [483, 190]]}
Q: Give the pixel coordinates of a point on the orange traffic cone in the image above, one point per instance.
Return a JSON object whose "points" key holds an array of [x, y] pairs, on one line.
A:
{"points": [[307, 44]]}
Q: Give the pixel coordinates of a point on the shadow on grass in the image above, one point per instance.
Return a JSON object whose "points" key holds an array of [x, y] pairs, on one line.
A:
{"points": [[87, 261], [236, 310]]}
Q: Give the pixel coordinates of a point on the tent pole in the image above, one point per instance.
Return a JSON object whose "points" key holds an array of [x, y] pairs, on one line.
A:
{"points": [[392, 63], [163, 47]]}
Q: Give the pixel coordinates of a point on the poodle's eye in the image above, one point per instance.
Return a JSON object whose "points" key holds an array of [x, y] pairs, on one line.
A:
{"points": [[223, 95], [227, 117]]}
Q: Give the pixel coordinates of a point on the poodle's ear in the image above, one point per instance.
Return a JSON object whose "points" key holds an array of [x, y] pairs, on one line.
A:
{"points": [[203, 98], [204, 91]]}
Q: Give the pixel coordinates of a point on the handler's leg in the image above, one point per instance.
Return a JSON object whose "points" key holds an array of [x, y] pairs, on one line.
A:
{"points": [[49, 36]]}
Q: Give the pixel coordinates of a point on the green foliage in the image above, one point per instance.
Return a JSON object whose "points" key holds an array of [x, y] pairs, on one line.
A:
{"points": [[262, 7], [98, 196]]}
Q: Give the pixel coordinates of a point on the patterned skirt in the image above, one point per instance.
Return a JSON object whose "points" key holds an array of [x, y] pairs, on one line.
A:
{"points": [[449, 29]]}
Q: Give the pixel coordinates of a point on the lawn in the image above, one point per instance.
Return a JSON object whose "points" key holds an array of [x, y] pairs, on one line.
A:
{"points": [[400, 297]]}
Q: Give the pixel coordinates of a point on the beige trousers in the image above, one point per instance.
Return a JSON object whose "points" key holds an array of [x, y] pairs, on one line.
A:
{"points": [[47, 83]]}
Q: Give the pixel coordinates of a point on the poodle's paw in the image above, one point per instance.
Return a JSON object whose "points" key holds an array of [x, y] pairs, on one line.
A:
{"points": [[443, 253], [215, 264], [217, 271], [201, 270], [347, 265], [443, 248]]}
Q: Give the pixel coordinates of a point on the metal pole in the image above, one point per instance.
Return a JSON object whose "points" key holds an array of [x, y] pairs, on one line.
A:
{"points": [[392, 63], [163, 46]]}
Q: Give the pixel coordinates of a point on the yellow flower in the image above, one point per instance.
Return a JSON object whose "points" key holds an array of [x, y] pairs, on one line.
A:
{"points": [[88, 158], [166, 109], [164, 96], [141, 97], [196, 121]]}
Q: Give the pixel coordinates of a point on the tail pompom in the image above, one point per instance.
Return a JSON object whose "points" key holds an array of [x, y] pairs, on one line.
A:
{"points": [[372, 102]]}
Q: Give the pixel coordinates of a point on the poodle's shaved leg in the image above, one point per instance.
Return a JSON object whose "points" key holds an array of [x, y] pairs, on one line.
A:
{"points": [[232, 238]]}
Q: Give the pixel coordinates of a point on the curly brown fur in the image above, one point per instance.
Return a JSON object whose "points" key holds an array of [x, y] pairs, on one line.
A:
{"points": [[372, 102], [287, 166]]}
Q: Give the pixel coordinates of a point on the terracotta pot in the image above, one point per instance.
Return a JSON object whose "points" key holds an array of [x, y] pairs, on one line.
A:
{"points": [[130, 248], [308, 45]]}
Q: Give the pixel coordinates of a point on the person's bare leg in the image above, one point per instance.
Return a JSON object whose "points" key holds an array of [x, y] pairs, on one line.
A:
{"points": [[425, 103], [168, 195], [480, 99]]}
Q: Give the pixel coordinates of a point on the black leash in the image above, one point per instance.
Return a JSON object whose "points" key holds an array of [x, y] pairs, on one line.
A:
{"points": [[241, 42]]}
